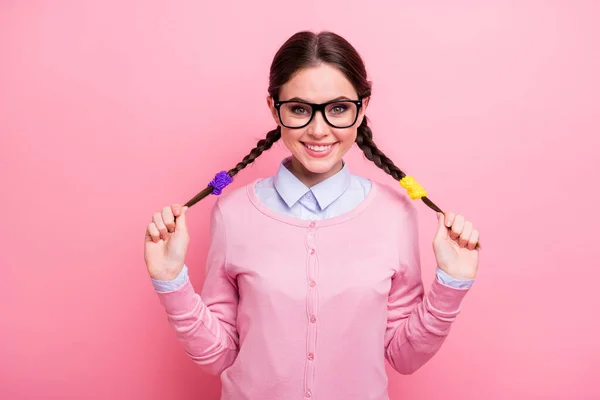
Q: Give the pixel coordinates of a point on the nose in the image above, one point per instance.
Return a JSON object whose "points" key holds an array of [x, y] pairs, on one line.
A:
{"points": [[318, 127]]}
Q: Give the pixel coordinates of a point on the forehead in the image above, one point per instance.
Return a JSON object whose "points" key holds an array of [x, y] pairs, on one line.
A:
{"points": [[318, 84]]}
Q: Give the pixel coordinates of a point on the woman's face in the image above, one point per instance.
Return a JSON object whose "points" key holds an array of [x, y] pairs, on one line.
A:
{"points": [[317, 85]]}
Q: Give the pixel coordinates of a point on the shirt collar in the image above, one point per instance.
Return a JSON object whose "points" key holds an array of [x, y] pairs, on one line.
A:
{"points": [[291, 189]]}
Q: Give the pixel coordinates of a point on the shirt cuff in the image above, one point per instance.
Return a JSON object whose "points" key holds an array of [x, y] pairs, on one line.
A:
{"points": [[444, 301], [173, 284], [449, 280]]}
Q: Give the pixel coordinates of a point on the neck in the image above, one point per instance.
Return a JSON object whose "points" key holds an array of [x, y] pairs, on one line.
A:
{"points": [[309, 178]]}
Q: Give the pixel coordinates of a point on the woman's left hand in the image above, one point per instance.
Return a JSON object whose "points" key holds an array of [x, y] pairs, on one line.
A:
{"points": [[454, 246]]}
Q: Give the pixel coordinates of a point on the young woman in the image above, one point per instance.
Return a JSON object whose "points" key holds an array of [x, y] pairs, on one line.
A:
{"points": [[313, 276]]}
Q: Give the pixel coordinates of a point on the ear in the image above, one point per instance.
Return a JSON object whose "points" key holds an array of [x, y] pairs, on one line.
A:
{"points": [[271, 105], [363, 110], [366, 103]]}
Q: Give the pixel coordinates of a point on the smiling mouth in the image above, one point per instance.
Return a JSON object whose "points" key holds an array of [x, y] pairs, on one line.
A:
{"points": [[318, 148]]}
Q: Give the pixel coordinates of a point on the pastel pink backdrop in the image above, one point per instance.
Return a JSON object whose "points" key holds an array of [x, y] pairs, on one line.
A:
{"points": [[111, 110]]}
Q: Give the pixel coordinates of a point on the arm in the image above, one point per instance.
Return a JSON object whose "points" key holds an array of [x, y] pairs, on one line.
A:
{"points": [[205, 324], [417, 324]]}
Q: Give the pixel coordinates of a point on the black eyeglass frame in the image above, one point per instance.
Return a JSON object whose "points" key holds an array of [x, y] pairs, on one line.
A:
{"points": [[319, 107]]}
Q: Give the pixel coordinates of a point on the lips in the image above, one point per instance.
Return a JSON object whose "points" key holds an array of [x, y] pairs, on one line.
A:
{"points": [[319, 150], [318, 147]]}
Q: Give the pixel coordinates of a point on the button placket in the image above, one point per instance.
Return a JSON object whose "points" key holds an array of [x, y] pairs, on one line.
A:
{"points": [[312, 296]]}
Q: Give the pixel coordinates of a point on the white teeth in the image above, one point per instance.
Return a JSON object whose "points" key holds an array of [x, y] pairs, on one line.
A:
{"points": [[318, 148]]}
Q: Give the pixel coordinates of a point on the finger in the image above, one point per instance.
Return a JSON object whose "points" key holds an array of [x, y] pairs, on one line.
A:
{"points": [[450, 218], [176, 210], [157, 219], [457, 226], [473, 240], [466, 234], [152, 233], [442, 229], [168, 218], [181, 223], [148, 236]]}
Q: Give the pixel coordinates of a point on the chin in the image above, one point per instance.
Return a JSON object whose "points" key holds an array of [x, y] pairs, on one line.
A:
{"points": [[319, 166]]}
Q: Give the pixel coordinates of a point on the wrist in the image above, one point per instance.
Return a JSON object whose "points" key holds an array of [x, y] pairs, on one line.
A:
{"points": [[459, 275], [168, 275]]}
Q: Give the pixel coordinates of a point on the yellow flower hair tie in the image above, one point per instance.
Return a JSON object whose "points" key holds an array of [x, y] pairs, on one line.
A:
{"points": [[415, 191]]}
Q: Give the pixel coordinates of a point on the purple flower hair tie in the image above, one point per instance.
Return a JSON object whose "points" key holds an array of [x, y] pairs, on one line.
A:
{"points": [[221, 180]]}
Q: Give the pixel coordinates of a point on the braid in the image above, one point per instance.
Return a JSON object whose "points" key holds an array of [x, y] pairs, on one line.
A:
{"points": [[261, 146], [364, 140]]}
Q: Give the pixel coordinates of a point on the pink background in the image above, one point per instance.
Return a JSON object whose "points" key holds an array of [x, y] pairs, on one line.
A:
{"points": [[111, 110]]}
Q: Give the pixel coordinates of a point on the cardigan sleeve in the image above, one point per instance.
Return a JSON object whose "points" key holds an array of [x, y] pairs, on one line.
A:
{"points": [[418, 323], [205, 324]]}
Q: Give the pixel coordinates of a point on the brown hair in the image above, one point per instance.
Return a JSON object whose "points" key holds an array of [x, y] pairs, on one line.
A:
{"points": [[307, 49]]}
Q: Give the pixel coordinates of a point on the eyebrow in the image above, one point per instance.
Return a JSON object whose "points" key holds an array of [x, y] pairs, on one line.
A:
{"points": [[306, 101]]}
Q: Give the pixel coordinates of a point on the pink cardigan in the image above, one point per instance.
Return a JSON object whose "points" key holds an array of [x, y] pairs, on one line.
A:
{"points": [[295, 309]]}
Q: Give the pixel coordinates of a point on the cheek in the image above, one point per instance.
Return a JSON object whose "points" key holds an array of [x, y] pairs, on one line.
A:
{"points": [[346, 137], [291, 137]]}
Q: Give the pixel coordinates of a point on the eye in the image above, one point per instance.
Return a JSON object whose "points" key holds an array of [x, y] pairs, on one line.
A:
{"points": [[299, 110], [338, 109]]}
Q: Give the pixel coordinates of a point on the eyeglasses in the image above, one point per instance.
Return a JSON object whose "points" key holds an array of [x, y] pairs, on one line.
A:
{"points": [[337, 113]]}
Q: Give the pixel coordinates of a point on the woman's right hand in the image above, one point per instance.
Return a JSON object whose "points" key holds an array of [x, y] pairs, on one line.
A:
{"points": [[166, 243]]}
